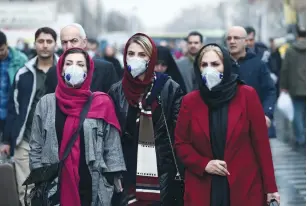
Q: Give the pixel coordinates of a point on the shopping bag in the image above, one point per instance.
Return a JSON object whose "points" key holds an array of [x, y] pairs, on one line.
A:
{"points": [[285, 105], [8, 189]]}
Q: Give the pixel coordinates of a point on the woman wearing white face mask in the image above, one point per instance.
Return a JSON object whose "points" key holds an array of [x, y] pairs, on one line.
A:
{"points": [[221, 137], [94, 160], [147, 105]]}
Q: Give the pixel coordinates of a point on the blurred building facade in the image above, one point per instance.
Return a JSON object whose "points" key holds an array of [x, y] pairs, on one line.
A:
{"points": [[31, 14]]}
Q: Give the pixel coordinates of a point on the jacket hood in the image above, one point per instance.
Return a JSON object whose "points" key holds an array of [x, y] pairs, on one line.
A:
{"points": [[300, 45]]}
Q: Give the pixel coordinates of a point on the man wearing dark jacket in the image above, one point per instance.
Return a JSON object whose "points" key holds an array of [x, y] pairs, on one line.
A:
{"points": [[27, 89], [104, 75], [258, 48], [252, 70]]}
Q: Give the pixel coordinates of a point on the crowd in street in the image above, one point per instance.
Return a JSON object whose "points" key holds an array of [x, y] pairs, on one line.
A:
{"points": [[147, 125]]}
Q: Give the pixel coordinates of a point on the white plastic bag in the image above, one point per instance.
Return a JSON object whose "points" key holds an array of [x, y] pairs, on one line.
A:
{"points": [[285, 105]]}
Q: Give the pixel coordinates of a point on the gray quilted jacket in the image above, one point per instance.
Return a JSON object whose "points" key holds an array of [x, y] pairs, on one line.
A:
{"points": [[103, 151]]}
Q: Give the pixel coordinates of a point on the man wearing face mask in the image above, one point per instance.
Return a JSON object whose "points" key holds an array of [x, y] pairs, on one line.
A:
{"points": [[27, 89], [185, 64], [74, 36]]}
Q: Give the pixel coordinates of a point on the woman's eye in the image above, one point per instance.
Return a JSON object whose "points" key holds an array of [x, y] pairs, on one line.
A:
{"points": [[204, 65]]}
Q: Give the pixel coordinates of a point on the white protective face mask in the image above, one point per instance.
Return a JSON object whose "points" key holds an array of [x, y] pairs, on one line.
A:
{"points": [[74, 75], [136, 66], [211, 77]]}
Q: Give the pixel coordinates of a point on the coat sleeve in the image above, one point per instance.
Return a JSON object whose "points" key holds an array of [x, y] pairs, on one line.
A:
{"points": [[269, 91], [260, 141], [175, 108], [17, 110], [191, 159], [11, 116], [37, 137], [174, 116], [113, 153], [51, 80], [110, 76], [284, 72]]}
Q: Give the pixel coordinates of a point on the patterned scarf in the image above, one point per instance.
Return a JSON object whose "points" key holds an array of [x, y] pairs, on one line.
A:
{"points": [[147, 180]]}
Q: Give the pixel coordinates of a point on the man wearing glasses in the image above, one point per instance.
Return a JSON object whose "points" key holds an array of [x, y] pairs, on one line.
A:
{"points": [[252, 70], [104, 76]]}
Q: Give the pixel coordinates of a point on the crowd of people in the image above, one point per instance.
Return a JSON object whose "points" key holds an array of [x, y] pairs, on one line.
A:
{"points": [[145, 128]]}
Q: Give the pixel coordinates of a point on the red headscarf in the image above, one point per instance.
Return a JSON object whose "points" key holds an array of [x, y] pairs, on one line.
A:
{"points": [[133, 87], [71, 102]]}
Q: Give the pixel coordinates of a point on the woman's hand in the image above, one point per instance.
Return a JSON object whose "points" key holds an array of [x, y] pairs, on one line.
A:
{"points": [[273, 196], [5, 149], [217, 167], [268, 121]]}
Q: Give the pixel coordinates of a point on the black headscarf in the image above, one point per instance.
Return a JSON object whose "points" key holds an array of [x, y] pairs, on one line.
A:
{"points": [[217, 101], [165, 57]]}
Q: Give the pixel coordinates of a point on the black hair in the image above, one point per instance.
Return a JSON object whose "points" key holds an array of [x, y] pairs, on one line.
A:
{"points": [[301, 32], [3, 40], [92, 41], [195, 33], [46, 30], [78, 51], [250, 30]]}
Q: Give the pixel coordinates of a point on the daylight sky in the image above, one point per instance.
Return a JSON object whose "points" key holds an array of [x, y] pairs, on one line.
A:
{"points": [[153, 13]]}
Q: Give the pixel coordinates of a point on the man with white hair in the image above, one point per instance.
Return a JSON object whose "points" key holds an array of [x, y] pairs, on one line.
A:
{"points": [[104, 76], [252, 70]]}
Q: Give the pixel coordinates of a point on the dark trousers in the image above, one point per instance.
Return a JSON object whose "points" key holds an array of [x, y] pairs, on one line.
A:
{"points": [[2, 124]]}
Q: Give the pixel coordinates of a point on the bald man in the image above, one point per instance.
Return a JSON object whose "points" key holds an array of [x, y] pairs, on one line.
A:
{"points": [[104, 76], [252, 70]]}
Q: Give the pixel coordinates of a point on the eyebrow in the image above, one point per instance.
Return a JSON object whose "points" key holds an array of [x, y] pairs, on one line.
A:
{"points": [[48, 39], [67, 40], [217, 61], [135, 52], [81, 61]]}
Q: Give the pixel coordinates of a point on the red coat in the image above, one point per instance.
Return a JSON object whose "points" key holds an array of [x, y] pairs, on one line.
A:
{"points": [[247, 151]]}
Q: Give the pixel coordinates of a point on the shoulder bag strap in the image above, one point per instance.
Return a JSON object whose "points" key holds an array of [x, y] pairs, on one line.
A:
{"points": [[178, 176], [71, 142], [74, 137]]}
